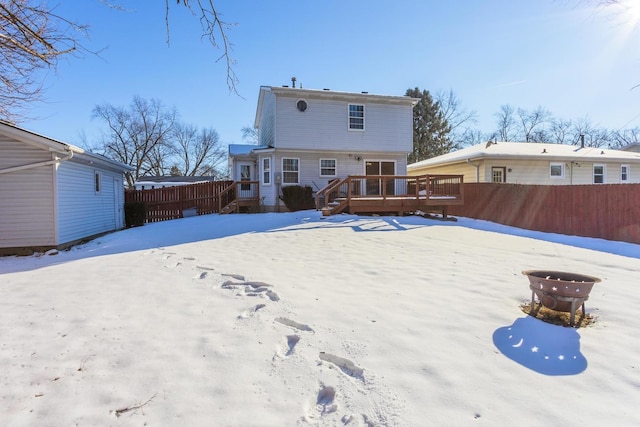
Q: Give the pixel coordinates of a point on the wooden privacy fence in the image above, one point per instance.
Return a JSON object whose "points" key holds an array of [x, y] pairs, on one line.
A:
{"points": [[169, 203], [609, 212]]}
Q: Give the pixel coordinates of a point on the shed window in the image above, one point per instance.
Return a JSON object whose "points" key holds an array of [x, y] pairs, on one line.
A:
{"points": [[327, 167], [624, 173], [556, 170], [290, 171], [97, 182], [356, 117], [598, 174]]}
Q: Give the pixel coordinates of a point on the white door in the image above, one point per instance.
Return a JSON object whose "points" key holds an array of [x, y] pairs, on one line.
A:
{"points": [[118, 203], [245, 173]]}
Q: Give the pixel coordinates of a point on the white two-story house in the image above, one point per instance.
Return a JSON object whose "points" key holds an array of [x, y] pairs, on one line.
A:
{"points": [[311, 137]]}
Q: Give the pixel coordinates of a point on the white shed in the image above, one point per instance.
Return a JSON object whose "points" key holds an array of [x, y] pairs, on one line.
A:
{"points": [[53, 194]]}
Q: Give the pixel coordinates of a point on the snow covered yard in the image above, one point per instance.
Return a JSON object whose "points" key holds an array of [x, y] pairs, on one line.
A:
{"points": [[294, 320]]}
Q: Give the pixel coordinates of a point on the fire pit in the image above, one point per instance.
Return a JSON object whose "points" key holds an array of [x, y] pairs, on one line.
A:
{"points": [[559, 291]]}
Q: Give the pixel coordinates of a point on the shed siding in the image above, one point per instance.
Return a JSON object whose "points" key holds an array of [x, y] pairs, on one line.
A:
{"points": [[26, 210], [81, 211], [325, 125]]}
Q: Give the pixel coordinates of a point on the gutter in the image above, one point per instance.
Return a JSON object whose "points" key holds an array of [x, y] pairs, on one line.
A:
{"points": [[477, 166], [69, 155]]}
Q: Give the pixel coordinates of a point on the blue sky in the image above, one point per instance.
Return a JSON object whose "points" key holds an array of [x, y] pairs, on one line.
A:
{"points": [[569, 56]]}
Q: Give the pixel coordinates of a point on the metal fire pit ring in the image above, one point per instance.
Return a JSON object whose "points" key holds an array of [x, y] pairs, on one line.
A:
{"points": [[559, 290]]}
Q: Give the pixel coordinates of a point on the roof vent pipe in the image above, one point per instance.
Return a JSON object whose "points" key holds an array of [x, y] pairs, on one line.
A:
{"points": [[293, 82]]}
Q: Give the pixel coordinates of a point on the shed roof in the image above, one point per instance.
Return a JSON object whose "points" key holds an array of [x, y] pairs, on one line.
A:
{"points": [[50, 144], [529, 150]]}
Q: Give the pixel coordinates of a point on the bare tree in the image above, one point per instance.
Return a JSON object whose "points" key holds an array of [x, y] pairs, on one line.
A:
{"points": [[560, 130], [506, 123], [197, 152], [459, 118], [593, 136], [137, 135], [250, 134], [622, 138], [532, 124], [33, 37]]}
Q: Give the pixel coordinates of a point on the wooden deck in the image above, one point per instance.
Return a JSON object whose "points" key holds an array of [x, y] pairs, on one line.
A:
{"points": [[387, 194]]}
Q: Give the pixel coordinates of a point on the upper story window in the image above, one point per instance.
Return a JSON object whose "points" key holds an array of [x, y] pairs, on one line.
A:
{"points": [[356, 117], [266, 171], [290, 171], [327, 167], [556, 170], [598, 174], [624, 173]]}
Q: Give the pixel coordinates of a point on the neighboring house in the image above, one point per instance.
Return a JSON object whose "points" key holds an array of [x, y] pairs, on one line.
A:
{"points": [[534, 163], [54, 194], [634, 146], [311, 137], [151, 182]]}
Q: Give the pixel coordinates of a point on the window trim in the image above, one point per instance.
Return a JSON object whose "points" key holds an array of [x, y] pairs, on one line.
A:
{"points": [[502, 169], [625, 171], [562, 170], [604, 172], [266, 171], [284, 181], [335, 168], [349, 117]]}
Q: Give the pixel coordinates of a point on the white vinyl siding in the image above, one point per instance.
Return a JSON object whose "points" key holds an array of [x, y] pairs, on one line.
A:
{"points": [[328, 167], [82, 211], [267, 125], [26, 210], [389, 127]]}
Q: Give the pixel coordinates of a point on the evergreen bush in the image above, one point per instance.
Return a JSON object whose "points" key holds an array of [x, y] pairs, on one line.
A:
{"points": [[297, 198], [135, 214]]}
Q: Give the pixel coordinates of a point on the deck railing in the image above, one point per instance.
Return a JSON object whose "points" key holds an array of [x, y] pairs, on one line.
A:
{"points": [[239, 194], [444, 189]]}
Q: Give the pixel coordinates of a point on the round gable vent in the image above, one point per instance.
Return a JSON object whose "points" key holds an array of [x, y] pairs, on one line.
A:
{"points": [[302, 105]]}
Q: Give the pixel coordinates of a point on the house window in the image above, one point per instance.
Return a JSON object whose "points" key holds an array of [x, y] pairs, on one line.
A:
{"points": [[556, 170], [327, 167], [624, 173], [96, 182], [290, 171], [356, 117], [598, 174], [266, 171], [498, 174]]}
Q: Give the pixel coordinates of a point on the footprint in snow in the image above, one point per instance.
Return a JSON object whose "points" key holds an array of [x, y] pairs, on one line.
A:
{"points": [[293, 324], [200, 276], [247, 313], [345, 365]]}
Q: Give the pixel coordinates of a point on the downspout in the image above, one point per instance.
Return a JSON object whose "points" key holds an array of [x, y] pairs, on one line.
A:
{"points": [[69, 155], [477, 166]]}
